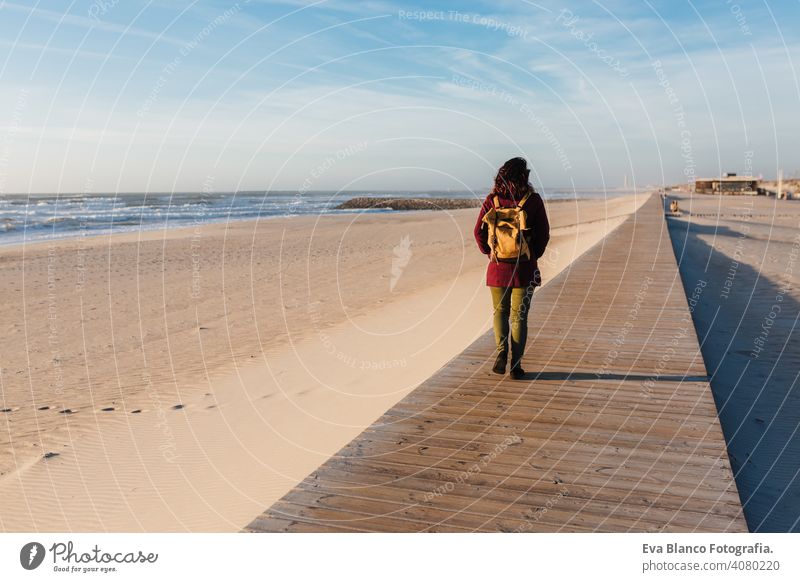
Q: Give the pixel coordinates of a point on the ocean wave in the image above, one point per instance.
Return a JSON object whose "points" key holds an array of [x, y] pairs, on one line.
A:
{"points": [[36, 216]]}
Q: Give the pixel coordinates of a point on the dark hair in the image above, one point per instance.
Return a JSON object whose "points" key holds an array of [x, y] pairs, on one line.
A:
{"points": [[512, 179]]}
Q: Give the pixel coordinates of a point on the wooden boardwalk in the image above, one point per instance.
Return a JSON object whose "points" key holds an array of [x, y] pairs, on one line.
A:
{"points": [[615, 428]]}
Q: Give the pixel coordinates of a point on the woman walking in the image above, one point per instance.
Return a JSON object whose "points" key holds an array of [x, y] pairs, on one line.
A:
{"points": [[513, 230]]}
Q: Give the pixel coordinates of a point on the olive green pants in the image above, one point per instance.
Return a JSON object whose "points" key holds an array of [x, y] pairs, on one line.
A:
{"points": [[511, 306]]}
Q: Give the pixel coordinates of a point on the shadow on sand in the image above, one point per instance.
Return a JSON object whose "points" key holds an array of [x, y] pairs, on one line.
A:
{"points": [[756, 392]]}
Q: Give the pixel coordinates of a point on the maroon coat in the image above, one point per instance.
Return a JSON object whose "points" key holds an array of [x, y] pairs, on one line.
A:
{"points": [[521, 273]]}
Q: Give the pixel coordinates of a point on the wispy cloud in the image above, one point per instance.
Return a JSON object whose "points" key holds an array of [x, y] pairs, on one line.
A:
{"points": [[49, 48], [89, 23]]}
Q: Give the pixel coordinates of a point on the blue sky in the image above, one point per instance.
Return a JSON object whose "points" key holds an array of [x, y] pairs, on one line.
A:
{"points": [[128, 95]]}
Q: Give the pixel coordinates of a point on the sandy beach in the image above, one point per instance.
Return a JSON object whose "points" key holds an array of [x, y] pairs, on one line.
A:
{"points": [[739, 257], [183, 380]]}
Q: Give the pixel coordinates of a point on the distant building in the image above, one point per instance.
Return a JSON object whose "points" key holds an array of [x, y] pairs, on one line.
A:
{"points": [[730, 184]]}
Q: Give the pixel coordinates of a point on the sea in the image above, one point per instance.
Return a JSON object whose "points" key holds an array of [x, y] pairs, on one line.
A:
{"points": [[36, 217]]}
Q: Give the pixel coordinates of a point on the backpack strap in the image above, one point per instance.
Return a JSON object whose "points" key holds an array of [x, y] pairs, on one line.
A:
{"points": [[495, 205]]}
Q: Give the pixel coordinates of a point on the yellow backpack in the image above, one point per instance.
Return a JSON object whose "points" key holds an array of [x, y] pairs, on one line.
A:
{"points": [[505, 230]]}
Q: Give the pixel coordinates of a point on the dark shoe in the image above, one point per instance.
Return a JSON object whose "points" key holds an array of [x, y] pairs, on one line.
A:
{"points": [[517, 373], [500, 363]]}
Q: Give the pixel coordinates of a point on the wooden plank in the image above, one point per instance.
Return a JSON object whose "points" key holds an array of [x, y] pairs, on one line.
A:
{"points": [[544, 450], [516, 504], [513, 489], [614, 429], [601, 462]]}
